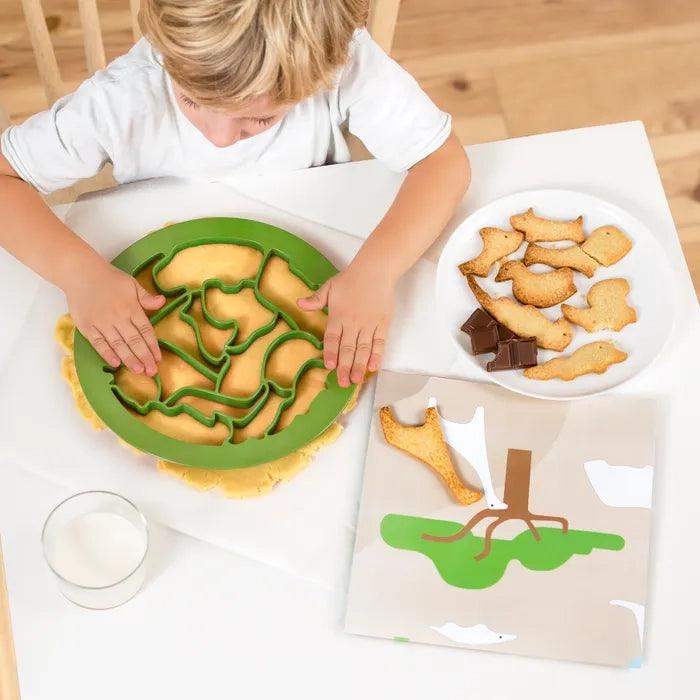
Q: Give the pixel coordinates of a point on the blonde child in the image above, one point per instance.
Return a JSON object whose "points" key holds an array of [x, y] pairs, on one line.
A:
{"points": [[221, 88]]}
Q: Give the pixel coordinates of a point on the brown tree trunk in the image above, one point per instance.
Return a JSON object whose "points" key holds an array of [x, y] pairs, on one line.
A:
{"points": [[516, 495]]}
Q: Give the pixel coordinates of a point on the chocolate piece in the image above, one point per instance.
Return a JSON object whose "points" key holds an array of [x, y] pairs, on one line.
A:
{"points": [[479, 319], [514, 354], [484, 340], [505, 333], [485, 332]]}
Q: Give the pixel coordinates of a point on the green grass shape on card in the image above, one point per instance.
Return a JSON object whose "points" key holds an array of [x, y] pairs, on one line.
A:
{"points": [[455, 560]]}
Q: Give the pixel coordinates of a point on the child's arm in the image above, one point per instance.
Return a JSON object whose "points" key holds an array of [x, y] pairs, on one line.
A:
{"points": [[360, 299], [107, 305]]}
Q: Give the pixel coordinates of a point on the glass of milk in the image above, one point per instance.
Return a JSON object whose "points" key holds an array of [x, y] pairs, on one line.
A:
{"points": [[96, 543]]}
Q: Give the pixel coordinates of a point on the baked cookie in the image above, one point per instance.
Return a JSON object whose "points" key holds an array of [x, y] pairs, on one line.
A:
{"points": [[536, 228], [572, 257], [525, 321], [426, 443], [543, 290], [607, 245], [594, 357], [608, 310], [497, 244]]}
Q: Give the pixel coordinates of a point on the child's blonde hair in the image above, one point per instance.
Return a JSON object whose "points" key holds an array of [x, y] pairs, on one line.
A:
{"points": [[227, 52]]}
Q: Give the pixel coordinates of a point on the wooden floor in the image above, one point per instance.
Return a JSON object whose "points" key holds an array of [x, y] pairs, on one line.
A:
{"points": [[503, 68]]}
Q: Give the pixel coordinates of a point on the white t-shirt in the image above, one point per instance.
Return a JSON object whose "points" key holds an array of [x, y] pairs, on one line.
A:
{"points": [[127, 115]]}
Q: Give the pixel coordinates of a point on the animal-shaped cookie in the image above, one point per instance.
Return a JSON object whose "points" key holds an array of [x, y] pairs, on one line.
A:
{"points": [[497, 244], [525, 321], [543, 290], [608, 309], [607, 245], [594, 357], [427, 443], [572, 257], [536, 228]]}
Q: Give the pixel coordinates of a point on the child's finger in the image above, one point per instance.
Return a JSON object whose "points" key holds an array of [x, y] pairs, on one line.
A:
{"points": [[144, 327], [346, 355], [362, 355], [331, 343], [120, 345], [318, 300], [378, 345], [138, 346], [126, 357], [103, 348], [152, 302]]}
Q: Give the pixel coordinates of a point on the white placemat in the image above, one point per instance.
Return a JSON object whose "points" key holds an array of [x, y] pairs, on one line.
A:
{"points": [[305, 526]]}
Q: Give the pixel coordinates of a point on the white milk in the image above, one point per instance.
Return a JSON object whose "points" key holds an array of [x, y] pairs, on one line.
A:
{"points": [[97, 549]]}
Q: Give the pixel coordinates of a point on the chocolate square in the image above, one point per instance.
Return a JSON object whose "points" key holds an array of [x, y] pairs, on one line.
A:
{"points": [[505, 333], [479, 319], [484, 340], [516, 353], [485, 332]]}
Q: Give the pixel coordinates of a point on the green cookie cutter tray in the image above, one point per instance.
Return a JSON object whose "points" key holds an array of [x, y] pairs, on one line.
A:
{"points": [[110, 402]]}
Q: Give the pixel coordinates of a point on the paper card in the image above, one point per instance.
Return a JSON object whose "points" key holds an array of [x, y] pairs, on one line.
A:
{"points": [[551, 558]]}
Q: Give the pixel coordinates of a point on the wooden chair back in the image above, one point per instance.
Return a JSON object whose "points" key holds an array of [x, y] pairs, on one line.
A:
{"points": [[381, 24], [45, 57]]}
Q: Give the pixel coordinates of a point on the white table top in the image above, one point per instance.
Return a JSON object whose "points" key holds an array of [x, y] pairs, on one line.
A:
{"points": [[211, 624]]}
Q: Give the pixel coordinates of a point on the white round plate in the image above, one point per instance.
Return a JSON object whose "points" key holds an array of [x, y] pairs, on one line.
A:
{"points": [[645, 267]]}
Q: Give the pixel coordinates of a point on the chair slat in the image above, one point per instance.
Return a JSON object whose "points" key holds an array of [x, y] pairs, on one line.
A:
{"points": [[43, 50], [4, 117], [92, 36], [381, 23], [135, 5]]}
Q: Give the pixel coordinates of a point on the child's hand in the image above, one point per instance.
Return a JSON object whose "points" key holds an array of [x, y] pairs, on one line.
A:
{"points": [[107, 306], [360, 302]]}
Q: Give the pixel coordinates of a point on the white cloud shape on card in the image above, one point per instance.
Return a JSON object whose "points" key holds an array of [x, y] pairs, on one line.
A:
{"points": [[621, 486], [477, 634]]}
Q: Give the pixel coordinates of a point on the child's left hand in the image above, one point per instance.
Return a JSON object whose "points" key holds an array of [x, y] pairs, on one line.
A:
{"points": [[360, 302]]}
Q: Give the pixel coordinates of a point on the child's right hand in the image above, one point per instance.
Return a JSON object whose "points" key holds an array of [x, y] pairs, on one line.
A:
{"points": [[107, 306]]}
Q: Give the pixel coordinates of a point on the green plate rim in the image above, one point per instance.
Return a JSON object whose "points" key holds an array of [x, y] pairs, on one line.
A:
{"points": [[311, 265]]}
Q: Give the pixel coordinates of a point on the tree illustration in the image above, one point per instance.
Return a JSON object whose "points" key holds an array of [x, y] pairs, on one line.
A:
{"points": [[516, 495]]}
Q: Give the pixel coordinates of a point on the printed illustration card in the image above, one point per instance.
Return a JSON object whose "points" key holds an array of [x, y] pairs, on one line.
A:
{"points": [[498, 522]]}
